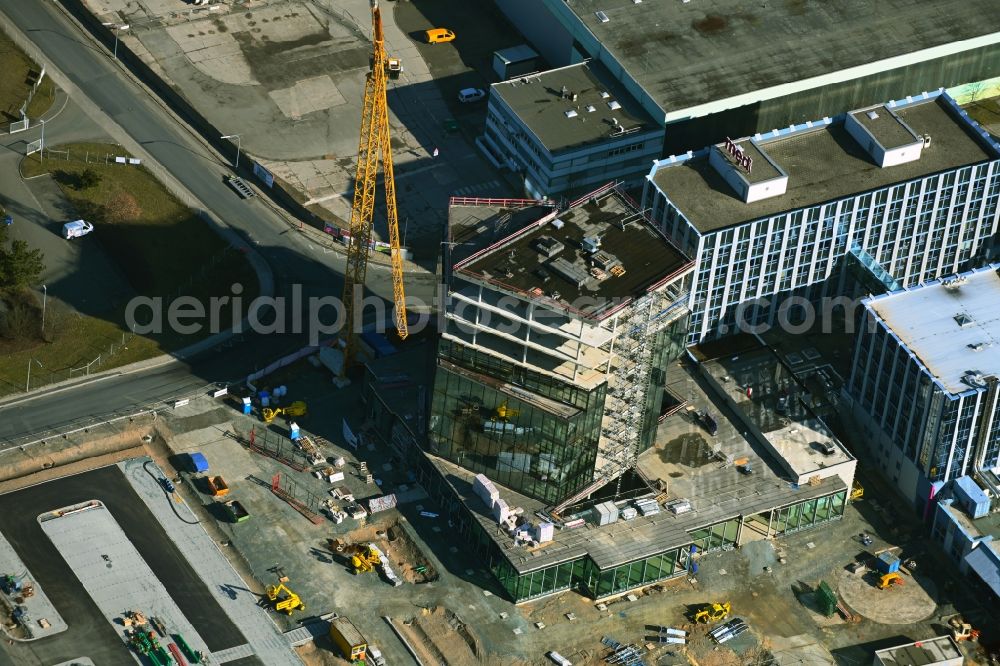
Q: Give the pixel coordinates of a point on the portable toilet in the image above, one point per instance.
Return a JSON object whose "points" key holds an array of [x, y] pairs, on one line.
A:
{"points": [[247, 406], [198, 462], [295, 434]]}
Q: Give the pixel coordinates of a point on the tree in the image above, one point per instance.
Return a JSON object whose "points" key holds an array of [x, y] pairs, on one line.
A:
{"points": [[122, 207], [88, 179], [20, 265]]}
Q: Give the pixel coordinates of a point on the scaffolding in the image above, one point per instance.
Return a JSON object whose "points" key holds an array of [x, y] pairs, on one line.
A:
{"points": [[630, 369]]}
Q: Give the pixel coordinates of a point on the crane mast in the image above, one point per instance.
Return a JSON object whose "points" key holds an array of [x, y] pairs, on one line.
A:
{"points": [[374, 144]]}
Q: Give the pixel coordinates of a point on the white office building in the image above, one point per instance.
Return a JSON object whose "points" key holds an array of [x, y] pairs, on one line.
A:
{"points": [[910, 185]]}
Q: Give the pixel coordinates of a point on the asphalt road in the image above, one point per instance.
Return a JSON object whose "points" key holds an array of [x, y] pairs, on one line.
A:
{"points": [[89, 633], [293, 259]]}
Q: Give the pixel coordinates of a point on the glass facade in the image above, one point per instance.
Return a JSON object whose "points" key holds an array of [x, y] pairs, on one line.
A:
{"points": [[808, 514], [485, 418], [667, 345], [935, 430]]}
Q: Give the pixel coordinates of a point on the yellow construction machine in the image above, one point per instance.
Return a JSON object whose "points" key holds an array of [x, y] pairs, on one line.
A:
{"points": [[364, 559], [284, 600], [713, 613], [297, 408], [888, 580]]}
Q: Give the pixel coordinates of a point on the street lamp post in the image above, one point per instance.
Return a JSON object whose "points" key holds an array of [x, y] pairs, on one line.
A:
{"points": [[41, 146], [45, 298], [118, 28], [238, 144], [27, 384]]}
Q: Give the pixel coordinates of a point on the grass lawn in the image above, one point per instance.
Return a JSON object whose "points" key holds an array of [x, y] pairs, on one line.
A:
{"points": [[16, 78], [161, 246]]}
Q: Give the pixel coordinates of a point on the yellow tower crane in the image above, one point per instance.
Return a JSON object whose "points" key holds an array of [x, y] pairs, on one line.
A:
{"points": [[374, 144]]}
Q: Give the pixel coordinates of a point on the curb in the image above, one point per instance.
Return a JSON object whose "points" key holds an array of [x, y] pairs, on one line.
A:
{"points": [[291, 222], [265, 276]]}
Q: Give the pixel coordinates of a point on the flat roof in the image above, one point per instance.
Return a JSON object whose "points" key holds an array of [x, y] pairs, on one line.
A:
{"points": [[920, 653], [629, 540], [823, 164], [885, 126], [542, 102], [688, 54], [953, 327], [546, 260], [795, 432], [474, 226]]}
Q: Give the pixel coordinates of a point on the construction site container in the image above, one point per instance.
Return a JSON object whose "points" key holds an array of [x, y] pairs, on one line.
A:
{"points": [[197, 463], [236, 512], [559, 659], [217, 486], [347, 637], [378, 343]]}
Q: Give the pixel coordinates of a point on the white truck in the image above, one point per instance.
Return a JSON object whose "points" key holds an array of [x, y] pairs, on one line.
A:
{"points": [[76, 229]]}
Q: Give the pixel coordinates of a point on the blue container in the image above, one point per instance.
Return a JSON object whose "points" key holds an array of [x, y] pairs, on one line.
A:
{"points": [[198, 462], [887, 563]]}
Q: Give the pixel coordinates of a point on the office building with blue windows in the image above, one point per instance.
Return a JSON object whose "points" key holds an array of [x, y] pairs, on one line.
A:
{"points": [[908, 188], [924, 383]]}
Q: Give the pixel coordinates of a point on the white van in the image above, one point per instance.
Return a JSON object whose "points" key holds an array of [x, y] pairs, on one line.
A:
{"points": [[76, 229], [470, 95]]}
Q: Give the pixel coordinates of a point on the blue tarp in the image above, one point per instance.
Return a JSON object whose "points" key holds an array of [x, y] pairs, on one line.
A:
{"points": [[379, 343], [198, 462], [986, 563]]}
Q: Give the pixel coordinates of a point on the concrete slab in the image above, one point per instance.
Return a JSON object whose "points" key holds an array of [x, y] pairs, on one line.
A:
{"points": [[112, 570], [239, 603], [306, 96], [38, 606]]}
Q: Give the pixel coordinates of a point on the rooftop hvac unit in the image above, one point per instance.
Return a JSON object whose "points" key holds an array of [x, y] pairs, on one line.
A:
{"points": [[591, 244], [601, 16], [872, 115], [571, 113], [549, 247], [927, 141], [614, 105], [679, 506]]}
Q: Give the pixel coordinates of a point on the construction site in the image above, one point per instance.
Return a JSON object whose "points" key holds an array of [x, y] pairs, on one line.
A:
{"points": [[551, 477]]}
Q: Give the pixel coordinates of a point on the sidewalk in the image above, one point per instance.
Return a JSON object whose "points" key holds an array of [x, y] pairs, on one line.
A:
{"points": [[183, 528], [39, 608]]}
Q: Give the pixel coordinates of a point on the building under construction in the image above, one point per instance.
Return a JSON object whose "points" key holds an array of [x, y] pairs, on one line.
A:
{"points": [[559, 323]]}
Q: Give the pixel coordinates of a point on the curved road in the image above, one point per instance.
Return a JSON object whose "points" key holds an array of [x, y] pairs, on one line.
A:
{"points": [[293, 259]]}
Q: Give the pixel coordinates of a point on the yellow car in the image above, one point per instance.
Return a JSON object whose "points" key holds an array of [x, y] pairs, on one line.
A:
{"points": [[439, 35]]}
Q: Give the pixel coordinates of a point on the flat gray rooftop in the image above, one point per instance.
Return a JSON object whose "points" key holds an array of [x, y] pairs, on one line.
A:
{"points": [[540, 103], [687, 54], [113, 572], [474, 227], [888, 129], [562, 274], [921, 653], [725, 497], [952, 330], [823, 165]]}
